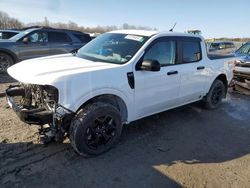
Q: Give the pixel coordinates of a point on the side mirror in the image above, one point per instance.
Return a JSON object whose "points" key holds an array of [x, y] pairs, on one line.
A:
{"points": [[25, 40], [150, 65]]}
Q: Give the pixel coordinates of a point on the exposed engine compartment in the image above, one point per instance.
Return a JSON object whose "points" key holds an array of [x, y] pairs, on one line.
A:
{"points": [[38, 104], [37, 96]]}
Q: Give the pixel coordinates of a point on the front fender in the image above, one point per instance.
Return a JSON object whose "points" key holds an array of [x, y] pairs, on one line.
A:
{"points": [[74, 104], [108, 91]]}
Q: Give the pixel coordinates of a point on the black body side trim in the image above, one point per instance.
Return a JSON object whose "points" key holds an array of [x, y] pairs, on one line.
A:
{"points": [[131, 80]]}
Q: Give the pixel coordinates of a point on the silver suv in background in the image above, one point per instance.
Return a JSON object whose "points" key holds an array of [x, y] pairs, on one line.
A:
{"points": [[38, 42], [222, 47]]}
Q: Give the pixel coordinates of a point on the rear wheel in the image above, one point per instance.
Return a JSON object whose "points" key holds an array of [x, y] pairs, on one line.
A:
{"points": [[95, 129], [5, 62], [215, 95]]}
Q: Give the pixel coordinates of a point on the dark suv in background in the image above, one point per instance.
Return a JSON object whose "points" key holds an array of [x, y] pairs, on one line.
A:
{"points": [[6, 34], [38, 42]]}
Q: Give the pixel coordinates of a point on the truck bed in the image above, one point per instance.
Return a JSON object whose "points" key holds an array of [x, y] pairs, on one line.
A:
{"points": [[219, 56]]}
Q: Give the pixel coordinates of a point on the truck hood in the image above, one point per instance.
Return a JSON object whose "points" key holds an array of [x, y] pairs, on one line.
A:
{"points": [[48, 70]]}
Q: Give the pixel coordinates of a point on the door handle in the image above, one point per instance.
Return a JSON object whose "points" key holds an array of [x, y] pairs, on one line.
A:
{"points": [[200, 67], [172, 72]]}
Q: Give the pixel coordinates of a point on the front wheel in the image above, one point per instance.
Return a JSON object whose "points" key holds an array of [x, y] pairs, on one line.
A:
{"points": [[95, 129], [215, 95], [5, 62]]}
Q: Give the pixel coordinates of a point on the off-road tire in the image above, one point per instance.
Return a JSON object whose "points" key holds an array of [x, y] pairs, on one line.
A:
{"points": [[215, 95], [85, 120]]}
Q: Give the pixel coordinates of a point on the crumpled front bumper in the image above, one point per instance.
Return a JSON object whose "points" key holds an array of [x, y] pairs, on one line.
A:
{"points": [[38, 116]]}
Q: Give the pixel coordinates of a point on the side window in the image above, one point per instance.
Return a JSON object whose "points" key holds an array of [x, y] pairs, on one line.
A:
{"points": [[229, 45], [163, 51], [222, 46], [191, 51], [83, 38], [59, 37], [38, 37]]}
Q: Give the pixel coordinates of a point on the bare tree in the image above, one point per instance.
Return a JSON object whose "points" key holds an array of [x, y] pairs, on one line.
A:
{"points": [[46, 21], [7, 22]]}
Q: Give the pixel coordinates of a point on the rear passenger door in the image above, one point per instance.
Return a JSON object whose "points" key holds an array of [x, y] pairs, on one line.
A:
{"points": [[193, 70], [59, 43]]}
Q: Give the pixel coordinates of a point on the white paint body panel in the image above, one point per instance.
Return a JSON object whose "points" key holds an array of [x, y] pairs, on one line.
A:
{"points": [[79, 80]]}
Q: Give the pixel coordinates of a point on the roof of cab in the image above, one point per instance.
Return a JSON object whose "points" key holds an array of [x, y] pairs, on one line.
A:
{"points": [[9, 30], [151, 33], [136, 32]]}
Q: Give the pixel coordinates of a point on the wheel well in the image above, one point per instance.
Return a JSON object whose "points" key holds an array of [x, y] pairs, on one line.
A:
{"points": [[223, 78], [14, 58], [114, 100]]}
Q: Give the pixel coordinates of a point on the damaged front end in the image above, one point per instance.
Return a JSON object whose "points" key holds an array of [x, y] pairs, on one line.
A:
{"points": [[38, 104]]}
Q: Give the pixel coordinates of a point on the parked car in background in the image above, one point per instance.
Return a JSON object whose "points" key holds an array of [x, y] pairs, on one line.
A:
{"points": [[222, 47], [243, 53], [6, 34], [38, 42]]}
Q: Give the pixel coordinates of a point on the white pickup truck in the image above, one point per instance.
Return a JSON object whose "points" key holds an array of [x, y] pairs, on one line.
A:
{"points": [[117, 78]]}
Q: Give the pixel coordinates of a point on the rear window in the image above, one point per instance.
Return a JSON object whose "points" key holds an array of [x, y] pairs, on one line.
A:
{"points": [[83, 38], [6, 35], [58, 37], [191, 51]]}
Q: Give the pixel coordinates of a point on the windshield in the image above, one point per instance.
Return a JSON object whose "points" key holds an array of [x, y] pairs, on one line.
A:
{"points": [[245, 49], [20, 35], [112, 48]]}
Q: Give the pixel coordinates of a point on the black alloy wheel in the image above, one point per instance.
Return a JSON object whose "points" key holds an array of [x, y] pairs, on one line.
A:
{"points": [[215, 95], [101, 132], [95, 129]]}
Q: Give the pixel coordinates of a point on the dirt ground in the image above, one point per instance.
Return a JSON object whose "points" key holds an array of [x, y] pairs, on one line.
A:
{"points": [[184, 147]]}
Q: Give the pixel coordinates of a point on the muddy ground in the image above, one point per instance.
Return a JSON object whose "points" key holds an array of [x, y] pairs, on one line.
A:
{"points": [[184, 147]]}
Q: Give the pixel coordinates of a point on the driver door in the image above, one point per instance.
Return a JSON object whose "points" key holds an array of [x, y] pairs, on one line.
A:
{"points": [[158, 91], [35, 46]]}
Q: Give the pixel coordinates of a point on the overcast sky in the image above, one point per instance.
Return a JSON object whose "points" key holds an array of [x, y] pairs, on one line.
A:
{"points": [[215, 18]]}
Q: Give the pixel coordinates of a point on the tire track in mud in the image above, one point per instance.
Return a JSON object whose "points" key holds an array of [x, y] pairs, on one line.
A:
{"points": [[24, 159]]}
